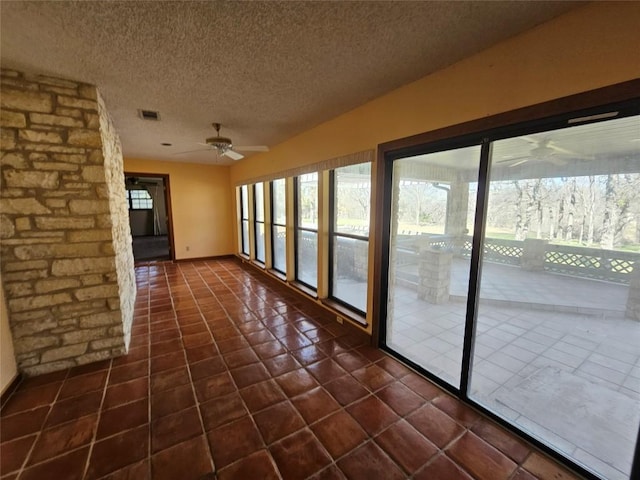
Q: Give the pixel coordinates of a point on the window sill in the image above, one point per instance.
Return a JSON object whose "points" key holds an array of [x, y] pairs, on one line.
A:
{"points": [[304, 289], [345, 312], [279, 275]]}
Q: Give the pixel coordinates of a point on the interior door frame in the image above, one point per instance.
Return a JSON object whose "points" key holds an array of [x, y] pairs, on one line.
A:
{"points": [[167, 199]]}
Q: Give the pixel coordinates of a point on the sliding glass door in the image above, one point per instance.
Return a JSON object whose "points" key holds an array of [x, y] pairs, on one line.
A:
{"points": [[513, 278]]}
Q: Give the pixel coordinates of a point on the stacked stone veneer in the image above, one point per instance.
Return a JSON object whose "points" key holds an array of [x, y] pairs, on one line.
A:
{"points": [[66, 258]]}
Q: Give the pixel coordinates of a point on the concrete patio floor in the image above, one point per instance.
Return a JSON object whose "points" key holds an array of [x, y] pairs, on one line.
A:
{"points": [[553, 354]]}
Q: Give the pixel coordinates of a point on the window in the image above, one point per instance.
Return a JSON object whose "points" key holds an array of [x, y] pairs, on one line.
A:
{"points": [[513, 278], [349, 247], [278, 225], [258, 203], [306, 226], [139, 200], [244, 218]]}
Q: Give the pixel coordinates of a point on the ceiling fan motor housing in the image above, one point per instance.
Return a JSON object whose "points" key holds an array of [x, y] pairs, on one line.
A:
{"points": [[221, 143]]}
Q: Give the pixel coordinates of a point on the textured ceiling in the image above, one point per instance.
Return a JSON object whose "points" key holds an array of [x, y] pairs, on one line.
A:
{"points": [[265, 70]]}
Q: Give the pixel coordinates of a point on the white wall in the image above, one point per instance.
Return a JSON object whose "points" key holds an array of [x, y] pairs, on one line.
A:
{"points": [[8, 369]]}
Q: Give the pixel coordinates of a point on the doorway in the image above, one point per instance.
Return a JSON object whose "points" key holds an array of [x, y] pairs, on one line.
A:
{"points": [[148, 197]]}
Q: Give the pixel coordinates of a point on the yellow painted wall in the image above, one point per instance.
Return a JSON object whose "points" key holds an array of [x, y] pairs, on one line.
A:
{"points": [[201, 203], [8, 369], [590, 47]]}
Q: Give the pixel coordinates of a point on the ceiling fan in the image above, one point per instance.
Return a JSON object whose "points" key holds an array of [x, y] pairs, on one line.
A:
{"points": [[224, 146], [544, 150]]}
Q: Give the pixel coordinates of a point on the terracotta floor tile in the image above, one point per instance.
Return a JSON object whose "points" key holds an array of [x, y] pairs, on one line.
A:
{"points": [[262, 395], [434, 424], [394, 367], [89, 368], [62, 438], [129, 372], [251, 327], [222, 410], [315, 404], [202, 352], [546, 469], [208, 367], [258, 337], [31, 398], [406, 446], [168, 361], [118, 451], [169, 379], [135, 355], [123, 417], [14, 452], [278, 421], [332, 472], [371, 463], [442, 467], [299, 456], [233, 441], [372, 353], [197, 339], [167, 346], [221, 332], [373, 377], [296, 382], [308, 355], [186, 460], [400, 398], [258, 465], [504, 441], [269, 349], [214, 386], [522, 474], [339, 433], [480, 459], [239, 358], [346, 390], [317, 335], [456, 410], [326, 370], [372, 414], [351, 361], [249, 374], [173, 429], [295, 342], [72, 408], [135, 471], [42, 380], [192, 328], [163, 335], [126, 392], [281, 364], [83, 384], [69, 466], [23, 423], [172, 401], [232, 344], [332, 347]]}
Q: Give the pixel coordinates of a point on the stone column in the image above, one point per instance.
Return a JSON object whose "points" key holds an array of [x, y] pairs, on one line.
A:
{"points": [[633, 298], [66, 259], [435, 275], [533, 253]]}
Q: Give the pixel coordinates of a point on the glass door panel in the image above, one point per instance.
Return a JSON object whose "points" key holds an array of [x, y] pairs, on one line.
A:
{"points": [[432, 217], [557, 347]]}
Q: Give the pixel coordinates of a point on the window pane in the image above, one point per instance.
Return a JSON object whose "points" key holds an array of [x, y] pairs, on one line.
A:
{"points": [[432, 218], [308, 201], [259, 199], [260, 242], [279, 249], [244, 193], [278, 199], [558, 332], [352, 190], [350, 263], [307, 257], [245, 237]]}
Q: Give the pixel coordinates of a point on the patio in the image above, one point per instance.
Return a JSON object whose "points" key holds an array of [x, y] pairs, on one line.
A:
{"points": [[554, 354]]}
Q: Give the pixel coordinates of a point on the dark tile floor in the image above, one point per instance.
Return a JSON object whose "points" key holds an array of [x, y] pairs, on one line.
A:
{"points": [[231, 376]]}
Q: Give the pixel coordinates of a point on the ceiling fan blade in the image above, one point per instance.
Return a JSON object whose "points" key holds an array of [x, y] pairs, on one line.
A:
{"points": [[253, 148], [514, 159], [192, 151], [233, 155]]}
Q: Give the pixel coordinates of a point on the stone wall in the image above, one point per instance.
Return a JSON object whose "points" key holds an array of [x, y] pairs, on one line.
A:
{"points": [[68, 293]]}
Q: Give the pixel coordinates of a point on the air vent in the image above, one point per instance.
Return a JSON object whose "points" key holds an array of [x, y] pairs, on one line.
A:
{"points": [[149, 115]]}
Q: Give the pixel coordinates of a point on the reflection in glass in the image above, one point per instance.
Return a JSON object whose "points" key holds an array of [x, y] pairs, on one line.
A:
{"points": [[279, 231], [557, 350], [307, 257], [350, 244], [432, 215], [258, 199]]}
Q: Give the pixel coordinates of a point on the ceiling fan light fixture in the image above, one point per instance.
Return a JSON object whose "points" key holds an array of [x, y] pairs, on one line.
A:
{"points": [[221, 143]]}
